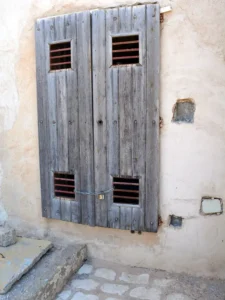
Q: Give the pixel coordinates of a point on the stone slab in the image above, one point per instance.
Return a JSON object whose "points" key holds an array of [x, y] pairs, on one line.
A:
{"points": [[17, 259], [48, 277], [7, 236], [136, 279], [105, 274]]}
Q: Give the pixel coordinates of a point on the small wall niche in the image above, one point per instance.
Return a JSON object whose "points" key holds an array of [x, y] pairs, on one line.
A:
{"points": [[176, 221], [183, 111], [211, 206]]}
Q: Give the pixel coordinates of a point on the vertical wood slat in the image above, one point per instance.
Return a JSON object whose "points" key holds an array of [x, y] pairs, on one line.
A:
{"points": [[136, 216], [102, 181], [139, 110], [52, 117], [152, 123], [73, 115], [61, 102], [125, 217], [62, 119], [84, 70], [113, 121], [125, 99], [43, 118], [126, 114], [114, 217]]}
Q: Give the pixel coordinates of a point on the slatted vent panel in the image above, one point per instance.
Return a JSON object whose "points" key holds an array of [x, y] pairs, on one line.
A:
{"points": [[125, 50], [60, 56], [126, 190], [64, 185]]}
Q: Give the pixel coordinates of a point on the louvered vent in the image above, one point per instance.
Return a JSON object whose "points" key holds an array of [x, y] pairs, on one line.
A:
{"points": [[60, 56], [125, 50], [64, 185], [126, 190]]}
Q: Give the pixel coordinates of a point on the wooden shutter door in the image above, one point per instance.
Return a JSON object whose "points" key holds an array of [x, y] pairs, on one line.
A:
{"points": [[126, 115], [65, 115]]}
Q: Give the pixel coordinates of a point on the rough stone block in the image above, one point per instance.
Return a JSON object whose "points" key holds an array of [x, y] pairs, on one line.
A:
{"points": [[210, 206], [48, 277], [7, 236]]}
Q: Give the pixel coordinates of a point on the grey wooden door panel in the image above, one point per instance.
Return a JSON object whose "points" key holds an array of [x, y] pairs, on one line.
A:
{"points": [[122, 96], [97, 120], [65, 116]]}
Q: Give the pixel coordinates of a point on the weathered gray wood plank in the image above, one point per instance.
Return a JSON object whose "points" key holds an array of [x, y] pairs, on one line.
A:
{"points": [[61, 102], [43, 118], [125, 217], [136, 216], [152, 123], [73, 115], [84, 72], [139, 107], [125, 100], [75, 211], [126, 124], [50, 36], [56, 208], [102, 181], [66, 210], [112, 101], [60, 105], [114, 220]]}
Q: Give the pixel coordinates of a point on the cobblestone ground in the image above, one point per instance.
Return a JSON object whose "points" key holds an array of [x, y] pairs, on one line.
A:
{"points": [[100, 280]]}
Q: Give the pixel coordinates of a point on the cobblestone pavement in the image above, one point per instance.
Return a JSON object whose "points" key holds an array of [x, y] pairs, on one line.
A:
{"points": [[100, 280]]}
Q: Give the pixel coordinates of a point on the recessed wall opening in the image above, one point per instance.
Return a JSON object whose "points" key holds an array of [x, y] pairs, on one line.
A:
{"points": [[125, 50], [60, 56], [64, 185], [126, 190], [183, 111]]}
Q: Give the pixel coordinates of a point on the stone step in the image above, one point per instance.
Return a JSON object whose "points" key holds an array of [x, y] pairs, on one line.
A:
{"points": [[49, 275]]}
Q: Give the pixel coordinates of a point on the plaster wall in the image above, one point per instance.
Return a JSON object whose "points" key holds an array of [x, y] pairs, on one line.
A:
{"points": [[192, 155]]}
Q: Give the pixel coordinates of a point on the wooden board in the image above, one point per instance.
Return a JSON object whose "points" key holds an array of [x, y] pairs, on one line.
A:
{"points": [[152, 122], [97, 120], [102, 182], [65, 116], [123, 100]]}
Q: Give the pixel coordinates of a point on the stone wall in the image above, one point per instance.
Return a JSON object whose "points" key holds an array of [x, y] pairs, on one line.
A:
{"points": [[192, 154]]}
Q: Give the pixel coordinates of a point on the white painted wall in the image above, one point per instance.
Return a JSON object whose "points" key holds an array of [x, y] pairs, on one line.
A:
{"points": [[192, 155]]}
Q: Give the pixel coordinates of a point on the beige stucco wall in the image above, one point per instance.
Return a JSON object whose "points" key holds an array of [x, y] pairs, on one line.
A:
{"points": [[192, 155]]}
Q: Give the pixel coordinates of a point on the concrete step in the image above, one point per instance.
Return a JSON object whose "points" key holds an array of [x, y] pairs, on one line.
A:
{"points": [[49, 275]]}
